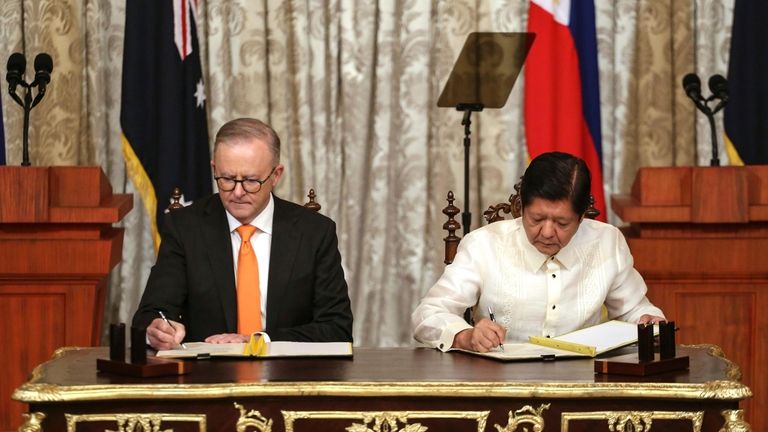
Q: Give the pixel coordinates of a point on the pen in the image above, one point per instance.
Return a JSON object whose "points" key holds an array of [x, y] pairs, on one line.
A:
{"points": [[493, 319], [162, 315]]}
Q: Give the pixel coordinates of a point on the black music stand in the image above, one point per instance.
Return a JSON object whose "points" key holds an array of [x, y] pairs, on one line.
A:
{"points": [[483, 77]]}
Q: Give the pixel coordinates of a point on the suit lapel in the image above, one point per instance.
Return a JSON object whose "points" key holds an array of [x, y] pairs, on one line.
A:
{"points": [[285, 242], [216, 238]]}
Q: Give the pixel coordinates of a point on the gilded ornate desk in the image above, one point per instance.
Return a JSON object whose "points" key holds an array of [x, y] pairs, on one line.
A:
{"points": [[385, 390]]}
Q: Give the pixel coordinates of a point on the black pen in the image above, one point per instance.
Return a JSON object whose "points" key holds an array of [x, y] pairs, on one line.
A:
{"points": [[493, 319], [162, 315]]}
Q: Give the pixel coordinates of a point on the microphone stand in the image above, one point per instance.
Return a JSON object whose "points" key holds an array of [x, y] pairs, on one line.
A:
{"points": [[715, 161], [702, 105], [27, 104], [25, 135], [466, 215]]}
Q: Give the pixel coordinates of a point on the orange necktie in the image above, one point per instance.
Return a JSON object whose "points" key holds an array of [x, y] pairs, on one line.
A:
{"points": [[248, 294]]}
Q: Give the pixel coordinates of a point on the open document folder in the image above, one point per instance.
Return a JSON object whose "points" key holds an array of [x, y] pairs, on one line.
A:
{"points": [[588, 342], [260, 345]]}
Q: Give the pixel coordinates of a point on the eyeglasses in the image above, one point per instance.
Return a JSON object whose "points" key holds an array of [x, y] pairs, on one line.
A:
{"points": [[228, 184]]}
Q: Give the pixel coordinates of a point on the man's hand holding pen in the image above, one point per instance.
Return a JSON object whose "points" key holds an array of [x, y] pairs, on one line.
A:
{"points": [[164, 334], [483, 337]]}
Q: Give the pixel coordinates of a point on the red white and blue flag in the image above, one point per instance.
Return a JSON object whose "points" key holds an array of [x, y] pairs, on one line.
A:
{"points": [[162, 116], [562, 93]]}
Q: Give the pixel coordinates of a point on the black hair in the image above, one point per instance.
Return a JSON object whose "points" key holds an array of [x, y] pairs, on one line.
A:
{"points": [[557, 176]]}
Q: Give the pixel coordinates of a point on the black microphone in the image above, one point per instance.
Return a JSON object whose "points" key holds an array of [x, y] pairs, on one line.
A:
{"points": [[692, 86], [719, 87], [17, 64], [43, 69]]}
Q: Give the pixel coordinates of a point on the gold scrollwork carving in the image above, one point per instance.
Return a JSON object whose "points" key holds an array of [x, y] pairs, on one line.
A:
{"points": [[525, 415], [734, 421], [136, 422], [252, 419], [630, 422], [32, 422], [732, 371], [633, 421], [385, 421], [721, 388]]}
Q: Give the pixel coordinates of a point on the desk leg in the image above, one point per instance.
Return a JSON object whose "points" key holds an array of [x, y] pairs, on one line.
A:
{"points": [[734, 421], [32, 422]]}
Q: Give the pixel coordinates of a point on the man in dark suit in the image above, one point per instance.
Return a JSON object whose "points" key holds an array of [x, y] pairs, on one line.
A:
{"points": [[301, 291]]}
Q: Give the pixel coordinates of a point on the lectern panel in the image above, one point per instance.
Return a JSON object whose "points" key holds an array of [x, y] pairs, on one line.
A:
{"points": [[57, 246], [728, 311], [37, 323]]}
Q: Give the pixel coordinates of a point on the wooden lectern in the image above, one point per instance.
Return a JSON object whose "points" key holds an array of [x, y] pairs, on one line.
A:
{"points": [[699, 236], [57, 246]]}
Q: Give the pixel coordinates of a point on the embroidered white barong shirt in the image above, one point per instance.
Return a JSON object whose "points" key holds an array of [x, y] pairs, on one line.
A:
{"points": [[533, 294]]}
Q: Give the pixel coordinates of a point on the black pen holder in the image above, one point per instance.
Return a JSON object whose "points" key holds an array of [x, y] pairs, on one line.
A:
{"points": [[138, 345], [667, 339], [645, 342], [117, 342]]}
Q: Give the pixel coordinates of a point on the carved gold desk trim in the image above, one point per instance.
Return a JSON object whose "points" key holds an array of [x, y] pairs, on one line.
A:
{"points": [[394, 421], [725, 390], [525, 415], [733, 371], [630, 421], [134, 422]]}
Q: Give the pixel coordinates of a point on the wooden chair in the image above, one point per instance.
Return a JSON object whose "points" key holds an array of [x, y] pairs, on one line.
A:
{"points": [[176, 200], [493, 214]]}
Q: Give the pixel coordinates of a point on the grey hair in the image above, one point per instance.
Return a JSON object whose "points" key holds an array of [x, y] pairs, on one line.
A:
{"points": [[248, 128]]}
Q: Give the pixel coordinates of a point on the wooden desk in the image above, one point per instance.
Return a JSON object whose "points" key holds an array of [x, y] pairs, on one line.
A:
{"points": [[393, 390]]}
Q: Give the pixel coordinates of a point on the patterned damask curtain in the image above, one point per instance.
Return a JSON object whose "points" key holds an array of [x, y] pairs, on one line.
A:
{"points": [[351, 87]]}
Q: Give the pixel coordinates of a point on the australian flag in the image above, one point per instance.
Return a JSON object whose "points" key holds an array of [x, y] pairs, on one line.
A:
{"points": [[746, 115], [163, 115]]}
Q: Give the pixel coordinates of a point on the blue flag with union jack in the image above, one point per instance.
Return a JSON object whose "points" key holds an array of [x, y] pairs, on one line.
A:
{"points": [[163, 114], [746, 115]]}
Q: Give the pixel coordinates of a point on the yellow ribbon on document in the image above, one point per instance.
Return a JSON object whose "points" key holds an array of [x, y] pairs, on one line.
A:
{"points": [[563, 345], [257, 345]]}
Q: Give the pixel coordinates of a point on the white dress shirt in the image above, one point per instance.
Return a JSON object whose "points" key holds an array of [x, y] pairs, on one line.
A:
{"points": [[533, 294], [261, 242]]}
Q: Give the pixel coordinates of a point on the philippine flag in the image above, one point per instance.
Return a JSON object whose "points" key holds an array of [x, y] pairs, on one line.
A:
{"points": [[562, 94]]}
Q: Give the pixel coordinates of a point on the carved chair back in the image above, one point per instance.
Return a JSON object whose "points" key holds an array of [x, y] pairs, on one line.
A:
{"points": [[176, 200]]}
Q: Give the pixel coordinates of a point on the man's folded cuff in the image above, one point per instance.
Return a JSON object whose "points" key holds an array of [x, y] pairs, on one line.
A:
{"points": [[449, 333]]}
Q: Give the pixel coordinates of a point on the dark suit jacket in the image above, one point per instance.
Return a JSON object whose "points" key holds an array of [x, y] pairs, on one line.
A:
{"points": [[193, 279]]}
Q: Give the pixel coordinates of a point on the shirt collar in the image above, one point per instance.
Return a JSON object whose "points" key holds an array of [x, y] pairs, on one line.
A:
{"points": [[535, 260], [262, 221], [567, 255]]}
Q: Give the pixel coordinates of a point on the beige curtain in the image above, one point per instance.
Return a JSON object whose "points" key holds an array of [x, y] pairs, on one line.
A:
{"points": [[351, 88], [659, 123]]}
